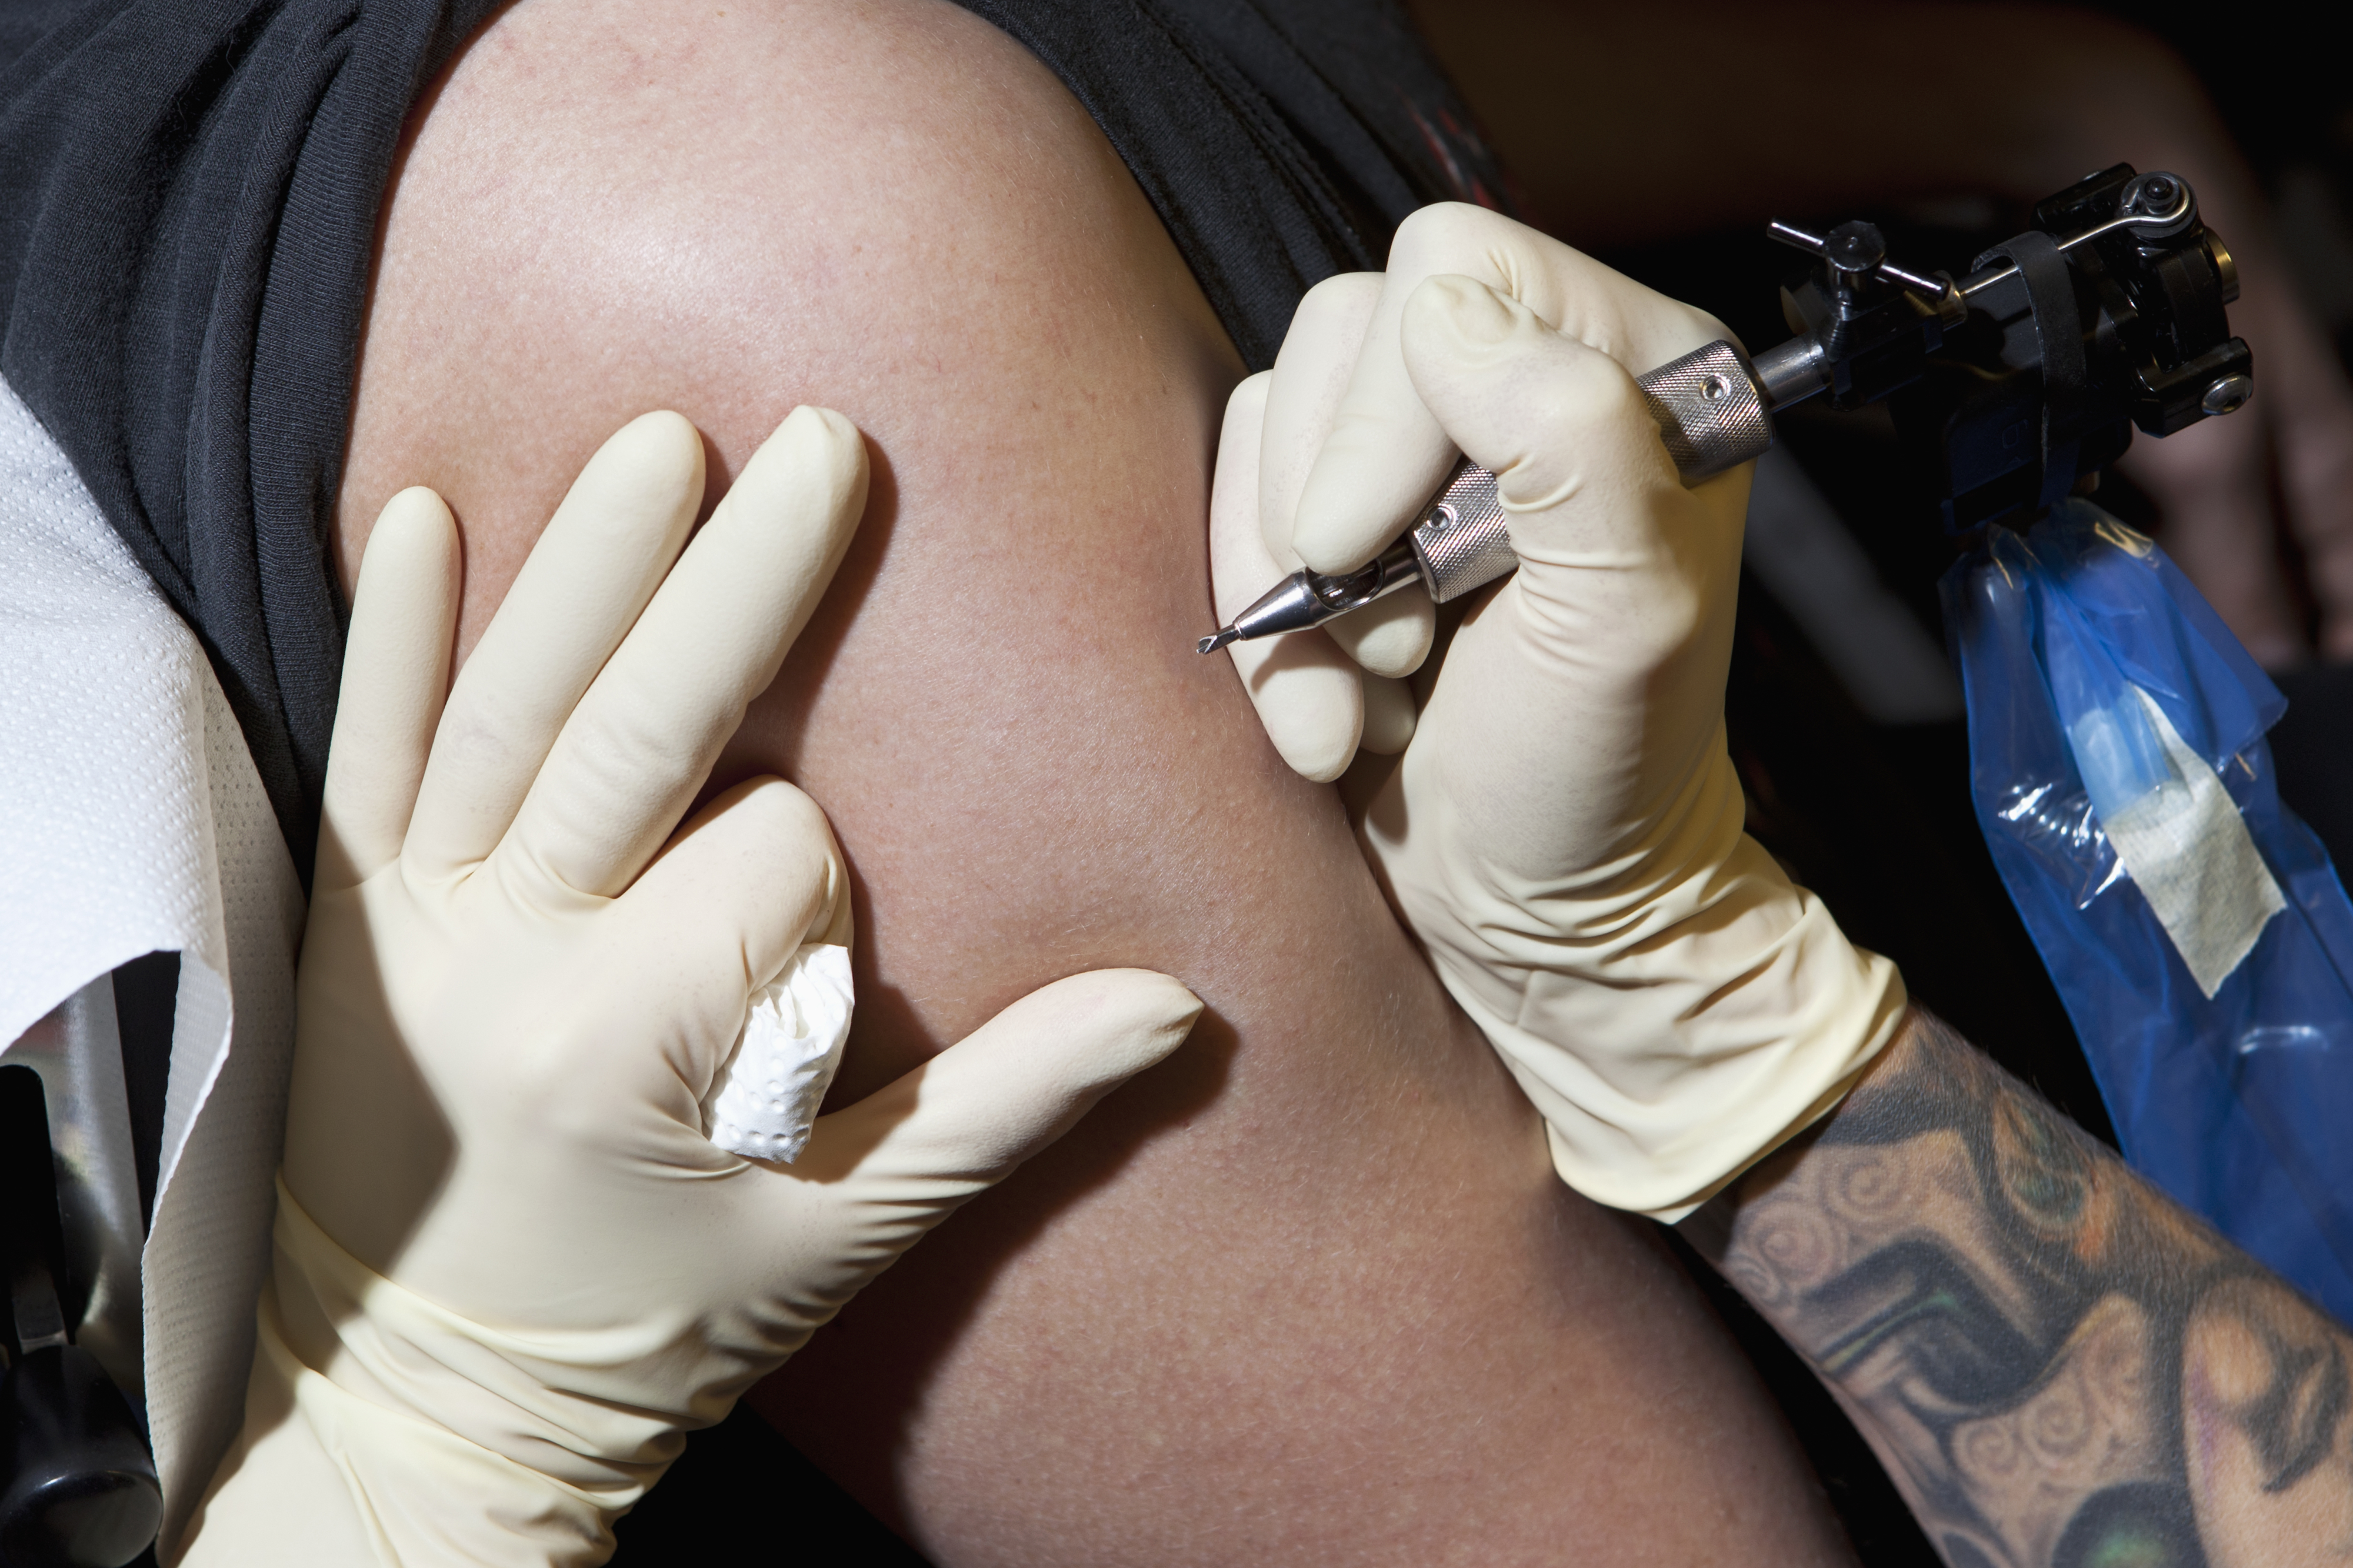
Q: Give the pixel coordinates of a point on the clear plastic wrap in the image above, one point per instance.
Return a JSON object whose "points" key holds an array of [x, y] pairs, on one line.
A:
{"points": [[2196, 930]]}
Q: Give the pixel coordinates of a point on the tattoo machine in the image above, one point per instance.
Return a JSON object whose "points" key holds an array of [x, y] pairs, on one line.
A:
{"points": [[2008, 386]]}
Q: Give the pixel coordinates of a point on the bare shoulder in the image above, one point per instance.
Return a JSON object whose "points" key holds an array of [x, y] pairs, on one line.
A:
{"points": [[887, 206]]}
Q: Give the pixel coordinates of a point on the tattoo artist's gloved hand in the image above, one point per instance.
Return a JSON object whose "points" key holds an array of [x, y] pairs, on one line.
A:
{"points": [[1564, 832], [1320, 693], [1346, 455], [511, 1270]]}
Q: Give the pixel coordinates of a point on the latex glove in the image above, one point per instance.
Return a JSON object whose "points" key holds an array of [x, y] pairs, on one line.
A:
{"points": [[1564, 834], [1323, 692], [511, 1270], [1348, 456]]}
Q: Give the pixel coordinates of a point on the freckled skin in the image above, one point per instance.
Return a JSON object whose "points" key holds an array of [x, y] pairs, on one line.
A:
{"points": [[1309, 1292]]}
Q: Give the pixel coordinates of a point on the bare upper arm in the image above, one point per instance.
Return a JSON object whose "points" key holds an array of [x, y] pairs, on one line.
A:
{"points": [[747, 209], [1193, 1331], [891, 207]]}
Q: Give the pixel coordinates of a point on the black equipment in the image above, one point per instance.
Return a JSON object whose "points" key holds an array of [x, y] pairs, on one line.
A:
{"points": [[2015, 384], [77, 1488]]}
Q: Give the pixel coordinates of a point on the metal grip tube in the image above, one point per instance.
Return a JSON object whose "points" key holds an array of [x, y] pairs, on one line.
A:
{"points": [[1710, 413], [1711, 416], [1463, 541]]}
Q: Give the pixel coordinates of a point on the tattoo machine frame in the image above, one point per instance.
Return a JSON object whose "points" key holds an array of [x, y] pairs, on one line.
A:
{"points": [[2008, 386]]}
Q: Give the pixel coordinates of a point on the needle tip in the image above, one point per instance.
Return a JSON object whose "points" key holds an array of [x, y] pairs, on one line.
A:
{"points": [[1225, 636]]}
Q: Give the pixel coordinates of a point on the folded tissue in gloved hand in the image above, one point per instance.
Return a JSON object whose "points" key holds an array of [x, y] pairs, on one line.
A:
{"points": [[762, 1101], [2193, 927]]}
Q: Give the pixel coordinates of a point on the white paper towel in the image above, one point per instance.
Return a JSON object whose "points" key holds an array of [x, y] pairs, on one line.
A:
{"points": [[761, 1104], [132, 821]]}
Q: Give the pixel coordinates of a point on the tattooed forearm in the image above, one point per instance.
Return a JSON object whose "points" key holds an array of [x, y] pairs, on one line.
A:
{"points": [[2057, 1365]]}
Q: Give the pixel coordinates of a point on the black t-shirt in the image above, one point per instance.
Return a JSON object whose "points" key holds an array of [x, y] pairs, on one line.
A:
{"points": [[188, 199], [1281, 141]]}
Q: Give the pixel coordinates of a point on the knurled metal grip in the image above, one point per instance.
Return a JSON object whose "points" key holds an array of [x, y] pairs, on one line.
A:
{"points": [[1462, 540], [1709, 415]]}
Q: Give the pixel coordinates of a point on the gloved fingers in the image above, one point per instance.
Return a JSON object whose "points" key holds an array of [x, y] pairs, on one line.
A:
{"points": [[643, 736], [1573, 443], [1303, 396], [1389, 716], [1309, 699], [1563, 425], [910, 1152], [395, 670], [1389, 636], [1304, 689], [719, 913], [1621, 610], [583, 586], [1309, 380], [1386, 455], [756, 873]]}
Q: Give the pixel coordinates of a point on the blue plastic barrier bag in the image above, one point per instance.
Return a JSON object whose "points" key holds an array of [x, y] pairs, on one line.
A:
{"points": [[2195, 929]]}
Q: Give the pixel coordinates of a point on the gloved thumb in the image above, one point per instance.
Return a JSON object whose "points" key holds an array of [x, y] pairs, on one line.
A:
{"points": [[1555, 419], [965, 1118]]}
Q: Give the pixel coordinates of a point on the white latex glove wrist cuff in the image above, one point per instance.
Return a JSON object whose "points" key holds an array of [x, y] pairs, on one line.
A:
{"points": [[425, 1414], [1671, 1035]]}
